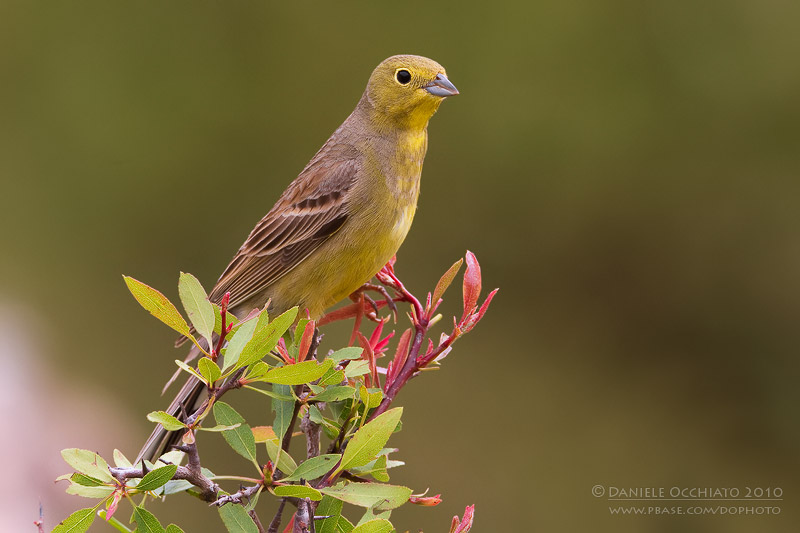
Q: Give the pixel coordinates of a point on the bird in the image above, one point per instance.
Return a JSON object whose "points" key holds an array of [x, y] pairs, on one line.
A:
{"points": [[341, 219]]}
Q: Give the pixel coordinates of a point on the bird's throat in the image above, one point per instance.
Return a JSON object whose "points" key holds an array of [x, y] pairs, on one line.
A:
{"points": [[409, 155]]}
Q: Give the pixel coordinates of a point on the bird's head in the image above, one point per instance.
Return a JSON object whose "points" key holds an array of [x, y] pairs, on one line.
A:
{"points": [[406, 90]]}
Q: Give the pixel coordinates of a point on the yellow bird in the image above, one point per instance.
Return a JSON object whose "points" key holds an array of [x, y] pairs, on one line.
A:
{"points": [[343, 217]]}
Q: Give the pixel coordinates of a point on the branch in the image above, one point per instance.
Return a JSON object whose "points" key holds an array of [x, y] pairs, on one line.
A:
{"points": [[423, 317], [244, 493], [208, 489], [304, 517], [224, 329], [312, 432], [256, 521], [276, 520], [192, 472], [410, 368]]}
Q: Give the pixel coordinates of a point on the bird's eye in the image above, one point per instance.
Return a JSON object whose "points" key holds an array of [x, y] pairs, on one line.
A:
{"points": [[403, 76]]}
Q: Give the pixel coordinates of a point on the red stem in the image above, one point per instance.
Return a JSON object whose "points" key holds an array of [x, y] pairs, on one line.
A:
{"points": [[223, 327], [409, 369]]}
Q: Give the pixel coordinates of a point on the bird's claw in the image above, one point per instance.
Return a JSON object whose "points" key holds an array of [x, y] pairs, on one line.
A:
{"points": [[361, 292]]}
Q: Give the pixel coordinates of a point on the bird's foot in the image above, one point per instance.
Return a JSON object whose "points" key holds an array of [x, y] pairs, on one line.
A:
{"points": [[360, 295]]}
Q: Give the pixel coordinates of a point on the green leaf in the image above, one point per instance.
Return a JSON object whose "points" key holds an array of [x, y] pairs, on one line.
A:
{"points": [[265, 339], [376, 469], [332, 377], [298, 491], [77, 522], [240, 439], [351, 352], [370, 439], [195, 301], [297, 374], [158, 305], [272, 394], [237, 342], [236, 519], [445, 281], [286, 464], [120, 460], [378, 525], [208, 369], [314, 467], [257, 370], [89, 492], [263, 318], [370, 397], [380, 475], [283, 410], [219, 429], [382, 496], [372, 514], [157, 478], [168, 458], [187, 368], [85, 481], [172, 528], [146, 522], [340, 411], [169, 422], [344, 525], [88, 463], [332, 508], [316, 416], [175, 486], [357, 368]]}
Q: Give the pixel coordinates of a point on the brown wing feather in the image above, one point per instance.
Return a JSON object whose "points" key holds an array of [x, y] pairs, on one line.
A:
{"points": [[292, 230], [309, 211]]}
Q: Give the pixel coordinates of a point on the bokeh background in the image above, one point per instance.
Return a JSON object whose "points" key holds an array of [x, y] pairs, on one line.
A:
{"points": [[626, 171]]}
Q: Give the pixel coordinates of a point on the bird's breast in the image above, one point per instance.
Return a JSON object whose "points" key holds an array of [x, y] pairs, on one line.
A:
{"points": [[402, 222]]}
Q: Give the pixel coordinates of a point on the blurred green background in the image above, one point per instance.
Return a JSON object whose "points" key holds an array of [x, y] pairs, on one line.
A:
{"points": [[626, 171]]}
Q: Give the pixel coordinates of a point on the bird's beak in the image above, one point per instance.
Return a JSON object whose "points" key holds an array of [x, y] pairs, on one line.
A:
{"points": [[441, 86]]}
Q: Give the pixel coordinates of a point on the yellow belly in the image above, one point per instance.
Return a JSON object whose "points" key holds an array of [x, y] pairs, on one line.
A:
{"points": [[344, 262], [381, 209]]}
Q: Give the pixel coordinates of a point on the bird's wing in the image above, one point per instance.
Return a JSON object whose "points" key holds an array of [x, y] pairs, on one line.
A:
{"points": [[312, 209]]}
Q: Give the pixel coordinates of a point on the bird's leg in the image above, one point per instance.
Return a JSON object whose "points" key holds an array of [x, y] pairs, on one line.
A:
{"points": [[389, 301], [362, 297], [356, 309], [358, 298]]}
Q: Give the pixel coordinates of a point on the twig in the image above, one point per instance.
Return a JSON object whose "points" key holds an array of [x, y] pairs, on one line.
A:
{"points": [[410, 367], [223, 328], [336, 444], [40, 523], [298, 390], [257, 521], [241, 496], [232, 383], [287, 438], [304, 517], [312, 432], [312, 508], [276, 520], [208, 488], [192, 472]]}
